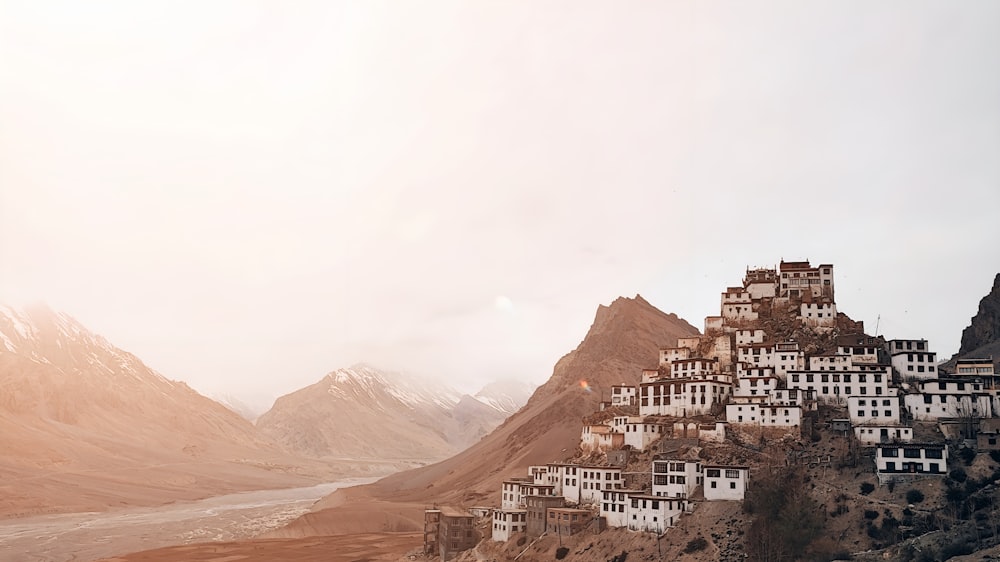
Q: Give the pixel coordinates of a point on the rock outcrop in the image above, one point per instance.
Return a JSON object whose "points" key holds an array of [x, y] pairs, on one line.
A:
{"points": [[985, 326]]}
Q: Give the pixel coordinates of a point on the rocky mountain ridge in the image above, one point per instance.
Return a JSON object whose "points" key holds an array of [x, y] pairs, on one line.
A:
{"points": [[85, 425], [363, 412]]}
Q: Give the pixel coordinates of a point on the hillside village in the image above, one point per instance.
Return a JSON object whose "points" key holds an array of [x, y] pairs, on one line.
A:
{"points": [[777, 365]]}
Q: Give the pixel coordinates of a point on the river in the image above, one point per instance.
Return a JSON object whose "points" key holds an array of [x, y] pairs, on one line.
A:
{"points": [[81, 537]]}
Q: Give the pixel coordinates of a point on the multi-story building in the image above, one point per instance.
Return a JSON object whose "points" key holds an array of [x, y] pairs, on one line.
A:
{"points": [[507, 522], [956, 397], [675, 478], [797, 279], [726, 483], [623, 395], [593, 479], [566, 521], [869, 435], [880, 410], [536, 508], [910, 458], [448, 531]]}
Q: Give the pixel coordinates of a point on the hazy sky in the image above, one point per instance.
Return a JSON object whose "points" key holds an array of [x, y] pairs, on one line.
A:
{"points": [[249, 195]]}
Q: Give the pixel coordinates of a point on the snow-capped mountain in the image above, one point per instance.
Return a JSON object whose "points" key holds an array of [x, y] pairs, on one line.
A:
{"points": [[368, 413], [83, 422], [507, 395]]}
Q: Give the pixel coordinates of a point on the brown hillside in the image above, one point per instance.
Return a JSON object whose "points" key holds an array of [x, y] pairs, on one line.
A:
{"points": [[624, 338]]}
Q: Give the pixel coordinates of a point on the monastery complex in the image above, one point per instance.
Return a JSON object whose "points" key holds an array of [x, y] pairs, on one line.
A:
{"points": [[778, 351]]}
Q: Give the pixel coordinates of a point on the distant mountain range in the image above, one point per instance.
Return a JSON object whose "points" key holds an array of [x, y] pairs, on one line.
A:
{"points": [[85, 425], [363, 412]]}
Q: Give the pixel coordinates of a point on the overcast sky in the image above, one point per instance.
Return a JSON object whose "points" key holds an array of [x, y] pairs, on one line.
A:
{"points": [[249, 195]]}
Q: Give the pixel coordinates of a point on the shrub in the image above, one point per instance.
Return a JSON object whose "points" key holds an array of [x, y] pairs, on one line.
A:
{"points": [[561, 552], [958, 475], [967, 455], [696, 544], [871, 514], [914, 496], [995, 455], [867, 488], [891, 485]]}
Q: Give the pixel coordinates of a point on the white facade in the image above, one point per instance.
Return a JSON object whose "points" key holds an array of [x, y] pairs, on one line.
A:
{"points": [[761, 283], [639, 434], [570, 482], [911, 459], [788, 357], [798, 279], [599, 438], [670, 354], [874, 434], [837, 386], [818, 314], [874, 410], [952, 398], [913, 359], [714, 323], [694, 368], [614, 506], [758, 354], [623, 395], [726, 483], [510, 494], [764, 415], [791, 397], [594, 479], [676, 478], [749, 336], [835, 362], [539, 474], [737, 305], [690, 342], [652, 513], [754, 381], [682, 398], [863, 350], [506, 522]]}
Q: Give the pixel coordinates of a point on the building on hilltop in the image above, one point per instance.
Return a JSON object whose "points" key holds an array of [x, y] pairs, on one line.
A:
{"points": [[676, 478], [726, 483], [897, 460], [507, 522], [798, 278]]}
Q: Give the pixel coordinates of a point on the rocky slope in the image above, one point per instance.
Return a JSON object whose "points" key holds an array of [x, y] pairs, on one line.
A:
{"points": [[985, 326], [981, 338], [85, 425], [624, 338], [362, 412]]}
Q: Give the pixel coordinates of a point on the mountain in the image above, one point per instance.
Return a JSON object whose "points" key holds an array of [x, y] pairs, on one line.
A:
{"points": [[362, 412], [624, 338], [506, 395], [985, 326], [85, 425], [241, 407], [981, 339]]}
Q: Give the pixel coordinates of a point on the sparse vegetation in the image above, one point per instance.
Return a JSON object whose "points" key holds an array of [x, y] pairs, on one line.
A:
{"points": [[958, 475], [867, 488], [695, 545], [787, 519], [561, 552], [967, 455], [914, 496], [871, 514]]}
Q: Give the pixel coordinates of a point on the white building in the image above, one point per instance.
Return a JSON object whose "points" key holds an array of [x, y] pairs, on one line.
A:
{"points": [[749, 336], [862, 349], [758, 354], [674, 478], [874, 410], [510, 494], [506, 522], [949, 398], [788, 357], [639, 433], [670, 354], [539, 474], [764, 415], [599, 437], [594, 479], [726, 483], [870, 435], [682, 398], [822, 314], [761, 283], [837, 386], [737, 305], [614, 506], [830, 362], [694, 368], [798, 279], [623, 395], [653, 514], [910, 458], [913, 359], [793, 397], [753, 380]]}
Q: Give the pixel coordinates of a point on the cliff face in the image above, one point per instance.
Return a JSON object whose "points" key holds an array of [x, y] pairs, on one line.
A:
{"points": [[985, 326]]}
